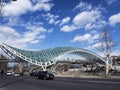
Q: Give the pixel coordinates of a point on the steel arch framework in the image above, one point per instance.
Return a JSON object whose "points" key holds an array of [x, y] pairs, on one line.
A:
{"points": [[48, 57]]}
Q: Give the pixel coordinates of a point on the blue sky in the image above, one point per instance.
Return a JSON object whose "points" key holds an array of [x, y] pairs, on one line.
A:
{"points": [[42, 24]]}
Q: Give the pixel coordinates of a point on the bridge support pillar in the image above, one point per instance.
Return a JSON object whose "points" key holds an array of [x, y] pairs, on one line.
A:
{"points": [[53, 66], [44, 68]]}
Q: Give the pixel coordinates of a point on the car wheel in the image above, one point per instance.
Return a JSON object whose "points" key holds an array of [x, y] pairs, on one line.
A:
{"points": [[44, 78], [38, 77]]}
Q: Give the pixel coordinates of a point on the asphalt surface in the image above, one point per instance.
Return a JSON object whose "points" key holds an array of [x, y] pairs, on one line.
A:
{"points": [[30, 83]]}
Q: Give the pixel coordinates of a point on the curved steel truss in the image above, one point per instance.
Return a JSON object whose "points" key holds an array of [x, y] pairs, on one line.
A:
{"points": [[48, 57]]}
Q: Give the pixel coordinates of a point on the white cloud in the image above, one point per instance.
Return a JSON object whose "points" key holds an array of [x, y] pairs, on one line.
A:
{"points": [[8, 31], [51, 19], [97, 25], [111, 1], [83, 6], [12, 21], [49, 16], [33, 35], [89, 17], [68, 28], [43, 5], [114, 19], [35, 41], [50, 30], [9, 35], [22, 6], [41, 36], [17, 8], [79, 38], [95, 36], [57, 22], [65, 20], [35, 27], [86, 17], [88, 37], [94, 46]]}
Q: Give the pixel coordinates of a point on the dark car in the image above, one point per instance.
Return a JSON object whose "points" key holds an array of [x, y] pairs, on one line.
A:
{"points": [[45, 75], [34, 74]]}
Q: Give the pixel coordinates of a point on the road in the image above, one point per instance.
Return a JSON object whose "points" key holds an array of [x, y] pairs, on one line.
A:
{"points": [[30, 83]]}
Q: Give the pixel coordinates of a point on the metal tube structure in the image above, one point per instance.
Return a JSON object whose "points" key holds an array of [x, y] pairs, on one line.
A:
{"points": [[49, 57]]}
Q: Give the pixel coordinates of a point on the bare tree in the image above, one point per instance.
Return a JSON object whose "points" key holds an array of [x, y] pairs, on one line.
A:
{"points": [[107, 46], [16, 67], [3, 65]]}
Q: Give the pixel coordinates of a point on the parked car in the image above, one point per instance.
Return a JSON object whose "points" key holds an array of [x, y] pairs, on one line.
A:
{"points": [[9, 73], [16, 74], [44, 75], [34, 74]]}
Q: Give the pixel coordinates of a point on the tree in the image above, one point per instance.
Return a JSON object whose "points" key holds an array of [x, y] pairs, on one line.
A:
{"points": [[16, 68], [3, 62], [107, 46]]}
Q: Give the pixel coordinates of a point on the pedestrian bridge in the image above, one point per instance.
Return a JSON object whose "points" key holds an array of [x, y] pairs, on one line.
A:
{"points": [[48, 57]]}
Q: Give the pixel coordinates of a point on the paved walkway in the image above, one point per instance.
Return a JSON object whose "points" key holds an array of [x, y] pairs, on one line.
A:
{"points": [[90, 76]]}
